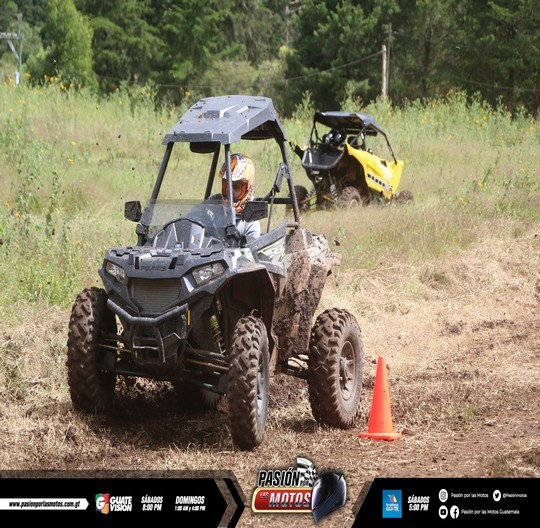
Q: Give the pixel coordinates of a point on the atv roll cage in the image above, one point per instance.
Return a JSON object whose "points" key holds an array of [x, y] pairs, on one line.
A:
{"points": [[214, 124]]}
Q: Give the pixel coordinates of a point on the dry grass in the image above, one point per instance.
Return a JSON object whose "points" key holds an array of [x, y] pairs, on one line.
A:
{"points": [[461, 340], [447, 290]]}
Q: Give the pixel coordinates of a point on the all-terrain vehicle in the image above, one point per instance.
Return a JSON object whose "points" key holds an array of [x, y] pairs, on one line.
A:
{"points": [[213, 312], [343, 169]]}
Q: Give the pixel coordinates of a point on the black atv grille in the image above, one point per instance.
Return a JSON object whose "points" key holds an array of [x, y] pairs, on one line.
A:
{"points": [[155, 296]]}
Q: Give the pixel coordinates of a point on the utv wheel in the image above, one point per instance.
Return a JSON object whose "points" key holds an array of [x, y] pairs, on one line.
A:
{"points": [[249, 379], [302, 195], [349, 198], [404, 197], [335, 368], [208, 400], [197, 398], [91, 386]]}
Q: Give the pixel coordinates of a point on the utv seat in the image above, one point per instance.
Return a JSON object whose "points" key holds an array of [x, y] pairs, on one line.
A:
{"points": [[316, 159]]}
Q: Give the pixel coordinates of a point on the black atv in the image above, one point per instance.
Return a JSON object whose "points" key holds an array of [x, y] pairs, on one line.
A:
{"points": [[196, 304], [343, 168]]}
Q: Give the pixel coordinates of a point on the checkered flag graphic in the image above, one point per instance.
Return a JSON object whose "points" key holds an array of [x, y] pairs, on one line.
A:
{"points": [[308, 471]]}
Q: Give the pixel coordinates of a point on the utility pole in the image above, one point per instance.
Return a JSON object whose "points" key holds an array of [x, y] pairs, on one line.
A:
{"points": [[10, 36], [384, 93], [387, 70]]}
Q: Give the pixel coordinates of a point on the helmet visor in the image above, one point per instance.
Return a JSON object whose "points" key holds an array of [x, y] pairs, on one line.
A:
{"points": [[239, 189]]}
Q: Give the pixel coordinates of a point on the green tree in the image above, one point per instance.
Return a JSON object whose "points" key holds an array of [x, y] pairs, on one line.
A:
{"points": [[67, 52], [127, 48], [258, 26], [195, 38], [337, 51], [420, 46], [214, 46], [33, 11], [8, 22], [498, 52]]}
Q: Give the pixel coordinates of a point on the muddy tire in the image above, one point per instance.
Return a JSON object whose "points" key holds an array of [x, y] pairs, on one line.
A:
{"points": [[249, 380], [302, 196], [404, 197], [349, 198], [197, 398], [91, 387], [207, 400], [335, 368]]}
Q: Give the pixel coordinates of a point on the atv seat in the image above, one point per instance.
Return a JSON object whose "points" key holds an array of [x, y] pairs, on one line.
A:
{"points": [[315, 158]]}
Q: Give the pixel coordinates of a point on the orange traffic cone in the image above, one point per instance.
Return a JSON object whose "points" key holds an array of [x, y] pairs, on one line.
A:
{"points": [[380, 426]]}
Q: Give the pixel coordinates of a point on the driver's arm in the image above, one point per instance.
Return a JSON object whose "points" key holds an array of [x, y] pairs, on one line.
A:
{"points": [[252, 229]]}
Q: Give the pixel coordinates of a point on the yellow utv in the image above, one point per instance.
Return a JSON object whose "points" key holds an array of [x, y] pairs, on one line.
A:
{"points": [[343, 168]]}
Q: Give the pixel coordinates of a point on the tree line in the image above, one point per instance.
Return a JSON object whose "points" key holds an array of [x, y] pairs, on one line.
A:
{"points": [[327, 50]]}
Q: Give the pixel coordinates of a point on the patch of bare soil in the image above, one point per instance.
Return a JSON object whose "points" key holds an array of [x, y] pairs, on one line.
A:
{"points": [[461, 339]]}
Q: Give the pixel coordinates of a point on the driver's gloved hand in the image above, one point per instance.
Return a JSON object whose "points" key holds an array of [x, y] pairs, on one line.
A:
{"points": [[234, 235]]}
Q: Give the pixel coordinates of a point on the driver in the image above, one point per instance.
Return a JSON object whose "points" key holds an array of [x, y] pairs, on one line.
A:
{"points": [[243, 177]]}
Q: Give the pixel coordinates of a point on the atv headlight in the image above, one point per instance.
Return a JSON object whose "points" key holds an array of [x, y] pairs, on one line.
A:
{"points": [[208, 273], [115, 271]]}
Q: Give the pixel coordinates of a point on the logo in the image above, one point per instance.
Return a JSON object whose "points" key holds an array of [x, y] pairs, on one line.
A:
{"points": [[102, 502], [443, 495], [274, 253], [392, 506], [106, 503], [299, 489], [443, 512]]}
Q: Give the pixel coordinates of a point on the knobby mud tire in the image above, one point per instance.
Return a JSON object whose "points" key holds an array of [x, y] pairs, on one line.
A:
{"points": [[302, 197], [207, 400], [91, 388], [404, 197], [335, 368], [249, 380], [197, 398], [349, 198]]}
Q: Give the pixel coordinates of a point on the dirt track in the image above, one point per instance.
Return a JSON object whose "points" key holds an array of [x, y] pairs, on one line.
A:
{"points": [[462, 347]]}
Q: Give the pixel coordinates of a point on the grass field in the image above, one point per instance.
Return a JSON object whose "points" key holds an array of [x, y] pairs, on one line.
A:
{"points": [[446, 288]]}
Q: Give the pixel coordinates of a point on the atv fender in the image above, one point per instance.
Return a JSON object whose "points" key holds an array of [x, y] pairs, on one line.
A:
{"points": [[252, 292], [309, 262]]}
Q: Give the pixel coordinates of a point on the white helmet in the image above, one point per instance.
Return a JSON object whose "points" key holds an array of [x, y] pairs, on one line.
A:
{"points": [[243, 177]]}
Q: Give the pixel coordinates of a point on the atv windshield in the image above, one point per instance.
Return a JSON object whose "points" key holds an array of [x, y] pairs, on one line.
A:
{"points": [[187, 223]]}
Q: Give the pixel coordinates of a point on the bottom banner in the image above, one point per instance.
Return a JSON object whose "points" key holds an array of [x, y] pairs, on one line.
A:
{"points": [[450, 502], [110, 498]]}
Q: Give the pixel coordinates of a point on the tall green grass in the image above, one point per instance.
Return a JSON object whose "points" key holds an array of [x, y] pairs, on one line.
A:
{"points": [[68, 162]]}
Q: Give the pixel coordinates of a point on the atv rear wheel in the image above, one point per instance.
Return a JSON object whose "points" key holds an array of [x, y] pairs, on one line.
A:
{"points": [[249, 380], [302, 196], [404, 197], [91, 386], [335, 368], [197, 398], [349, 197]]}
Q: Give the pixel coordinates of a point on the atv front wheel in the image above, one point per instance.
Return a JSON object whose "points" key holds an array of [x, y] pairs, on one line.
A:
{"points": [[335, 368], [91, 386], [349, 197], [249, 380]]}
